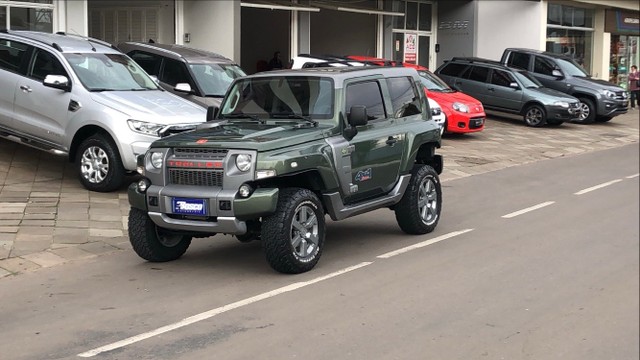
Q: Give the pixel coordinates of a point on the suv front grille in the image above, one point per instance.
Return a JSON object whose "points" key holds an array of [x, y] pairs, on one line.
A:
{"points": [[621, 95], [196, 177], [200, 153]]}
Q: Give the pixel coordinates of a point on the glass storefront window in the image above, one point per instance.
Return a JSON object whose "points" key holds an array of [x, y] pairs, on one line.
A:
{"points": [[624, 53], [397, 6], [573, 43], [412, 21], [424, 17], [3, 17], [35, 1], [31, 19]]}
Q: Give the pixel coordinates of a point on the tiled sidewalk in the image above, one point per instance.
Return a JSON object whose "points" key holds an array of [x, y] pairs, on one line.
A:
{"points": [[47, 218]]}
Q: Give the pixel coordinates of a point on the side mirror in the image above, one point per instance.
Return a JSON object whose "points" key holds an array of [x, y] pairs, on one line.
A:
{"points": [[514, 85], [557, 73], [212, 112], [358, 115], [183, 87], [57, 82]]}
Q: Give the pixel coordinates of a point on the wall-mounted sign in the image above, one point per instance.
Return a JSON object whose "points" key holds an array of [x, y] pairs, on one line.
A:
{"points": [[410, 48], [622, 22]]}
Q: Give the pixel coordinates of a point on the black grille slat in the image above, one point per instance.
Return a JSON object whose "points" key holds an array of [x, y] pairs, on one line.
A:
{"points": [[200, 153], [196, 177]]}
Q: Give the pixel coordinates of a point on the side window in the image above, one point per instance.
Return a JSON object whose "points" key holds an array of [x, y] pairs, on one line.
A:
{"points": [[404, 97], [543, 66], [368, 94], [12, 53], [519, 60], [479, 73], [44, 63], [149, 62], [501, 78], [175, 72], [453, 69]]}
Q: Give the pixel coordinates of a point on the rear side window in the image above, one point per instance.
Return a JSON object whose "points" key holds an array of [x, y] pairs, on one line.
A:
{"points": [[519, 60], [479, 73], [543, 66], [404, 97], [45, 64], [501, 78], [368, 94], [149, 62], [175, 72], [453, 69], [12, 54]]}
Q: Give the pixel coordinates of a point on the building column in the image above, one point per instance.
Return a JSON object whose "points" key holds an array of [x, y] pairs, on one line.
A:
{"points": [[209, 25], [601, 47], [72, 17]]}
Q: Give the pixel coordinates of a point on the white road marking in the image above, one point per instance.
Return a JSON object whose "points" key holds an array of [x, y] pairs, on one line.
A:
{"points": [[213, 312], [584, 191], [633, 176], [422, 244], [524, 211]]}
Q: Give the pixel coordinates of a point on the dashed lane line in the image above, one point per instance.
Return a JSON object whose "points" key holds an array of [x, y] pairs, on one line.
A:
{"points": [[596, 187], [423, 244], [531, 208]]}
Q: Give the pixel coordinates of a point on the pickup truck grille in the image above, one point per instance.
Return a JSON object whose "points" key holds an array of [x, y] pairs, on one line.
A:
{"points": [[196, 177], [200, 153]]}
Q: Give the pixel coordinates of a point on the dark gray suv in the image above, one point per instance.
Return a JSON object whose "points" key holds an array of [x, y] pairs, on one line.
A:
{"points": [[504, 89], [600, 100]]}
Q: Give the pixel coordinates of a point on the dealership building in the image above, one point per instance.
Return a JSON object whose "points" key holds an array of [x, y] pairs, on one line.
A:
{"points": [[602, 35]]}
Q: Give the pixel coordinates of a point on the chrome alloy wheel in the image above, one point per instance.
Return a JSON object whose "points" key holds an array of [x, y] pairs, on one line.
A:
{"points": [[304, 232], [428, 201], [534, 116], [94, 164], [584, 111]]}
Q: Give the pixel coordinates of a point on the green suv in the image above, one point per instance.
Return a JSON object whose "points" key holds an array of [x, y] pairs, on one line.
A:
{"points": [[286, 148]]}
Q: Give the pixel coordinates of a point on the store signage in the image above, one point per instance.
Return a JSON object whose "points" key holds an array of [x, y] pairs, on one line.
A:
{"points": [[451, 25], [622, 22], [410, 48]]}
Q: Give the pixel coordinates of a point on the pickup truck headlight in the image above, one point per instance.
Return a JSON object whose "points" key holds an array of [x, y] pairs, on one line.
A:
{"points": [[562, 104], [243, 162], [156, 160], [146, 128], [610, 94], [460, 107]]}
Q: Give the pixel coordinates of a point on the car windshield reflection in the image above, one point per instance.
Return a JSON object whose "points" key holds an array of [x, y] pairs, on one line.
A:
{"points": [[109, 72], [214, 79]]}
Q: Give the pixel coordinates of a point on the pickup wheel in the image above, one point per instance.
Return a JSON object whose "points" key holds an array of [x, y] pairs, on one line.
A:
{"points": [[587, 111], [419, 210], [99, 165], [293, 237], [154, 243]]}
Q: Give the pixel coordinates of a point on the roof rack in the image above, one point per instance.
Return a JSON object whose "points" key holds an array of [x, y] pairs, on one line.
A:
{"points": [[476, 59], [53, 45], [89, 39]]}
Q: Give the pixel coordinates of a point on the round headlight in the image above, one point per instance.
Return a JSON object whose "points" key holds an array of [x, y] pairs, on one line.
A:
{"points": [[143, 185], [243, 162], [245, 191], [460, 107], [156, 160]]}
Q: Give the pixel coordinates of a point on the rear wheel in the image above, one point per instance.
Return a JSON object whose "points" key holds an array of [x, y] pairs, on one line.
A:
{"points": [[293, 237], [154, 243], [419, 210], [535, 116], [587, 111]]}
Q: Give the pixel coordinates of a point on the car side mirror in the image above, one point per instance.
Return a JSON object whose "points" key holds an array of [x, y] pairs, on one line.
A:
{"points": [[358, 115], [57, 82], [183, 87], [212, 113], [514, 85], [557, 73]]}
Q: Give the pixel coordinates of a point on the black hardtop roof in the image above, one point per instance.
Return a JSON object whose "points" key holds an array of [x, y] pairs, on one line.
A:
{"points": [[188, 54]]}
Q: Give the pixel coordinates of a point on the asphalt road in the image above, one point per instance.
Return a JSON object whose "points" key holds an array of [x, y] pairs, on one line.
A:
{"points": [[539, 261]]}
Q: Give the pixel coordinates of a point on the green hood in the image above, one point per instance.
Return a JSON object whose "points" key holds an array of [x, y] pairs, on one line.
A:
{"points": [[243, 135]]}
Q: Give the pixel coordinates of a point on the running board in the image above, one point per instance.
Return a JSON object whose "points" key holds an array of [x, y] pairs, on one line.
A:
{"points": [[338, 211]]}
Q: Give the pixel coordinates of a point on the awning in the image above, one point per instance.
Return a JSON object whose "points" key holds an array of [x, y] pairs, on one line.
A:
{"points": [[353, 9], [278, 5]]}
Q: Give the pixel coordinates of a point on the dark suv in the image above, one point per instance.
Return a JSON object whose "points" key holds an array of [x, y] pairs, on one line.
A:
{"points": [[197, 75], [505, 89], [599, 100]]}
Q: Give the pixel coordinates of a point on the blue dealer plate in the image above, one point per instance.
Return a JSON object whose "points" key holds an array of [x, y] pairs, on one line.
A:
{"points": [[186, 206]]}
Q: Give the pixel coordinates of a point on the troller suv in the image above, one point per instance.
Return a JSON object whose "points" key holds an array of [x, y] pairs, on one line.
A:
{"points": [[286, 148], [599, 100]]}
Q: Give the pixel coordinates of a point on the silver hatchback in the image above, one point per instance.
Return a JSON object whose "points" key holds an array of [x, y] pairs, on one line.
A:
{"points": [[83, 98]]}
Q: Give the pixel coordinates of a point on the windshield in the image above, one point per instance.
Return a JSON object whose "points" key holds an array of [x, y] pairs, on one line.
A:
{"points": [[214, 79], [570, 67], [527, 80], [109, 72], [432, 82], [280, 97]]}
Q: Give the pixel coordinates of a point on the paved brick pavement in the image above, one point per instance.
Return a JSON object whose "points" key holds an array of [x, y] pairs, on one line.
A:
{"points": [[47, 218]]}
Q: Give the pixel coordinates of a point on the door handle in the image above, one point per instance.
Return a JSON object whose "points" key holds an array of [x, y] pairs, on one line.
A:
{"points": [[391, 141], [491, 89], [25, 88]]}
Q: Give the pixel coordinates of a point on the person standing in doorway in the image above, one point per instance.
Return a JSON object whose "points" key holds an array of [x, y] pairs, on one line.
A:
{"points": [[275, 63], [634, 88]]}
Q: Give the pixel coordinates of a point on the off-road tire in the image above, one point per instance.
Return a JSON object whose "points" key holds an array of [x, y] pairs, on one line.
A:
{"points": [[278, 233], [146, 239], [424, 186], [535, 116], [103, 150], [586, 106]]}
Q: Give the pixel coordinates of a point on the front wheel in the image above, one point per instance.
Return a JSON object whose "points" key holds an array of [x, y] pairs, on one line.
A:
{"points": [[535, 116], [419, 210], [99, 164], [153, 243], [293, 237], [587, 111]]}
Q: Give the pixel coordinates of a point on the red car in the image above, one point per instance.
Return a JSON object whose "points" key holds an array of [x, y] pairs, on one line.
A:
{"points": [[463, 113]]}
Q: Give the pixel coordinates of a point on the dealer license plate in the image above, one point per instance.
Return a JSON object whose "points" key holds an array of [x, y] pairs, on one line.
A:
{"points": [[187, 206]]}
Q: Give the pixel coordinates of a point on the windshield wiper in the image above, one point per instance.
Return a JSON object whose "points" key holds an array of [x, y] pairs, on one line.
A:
{"points": [[102, 89], [243, 116], [297, 116]]}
